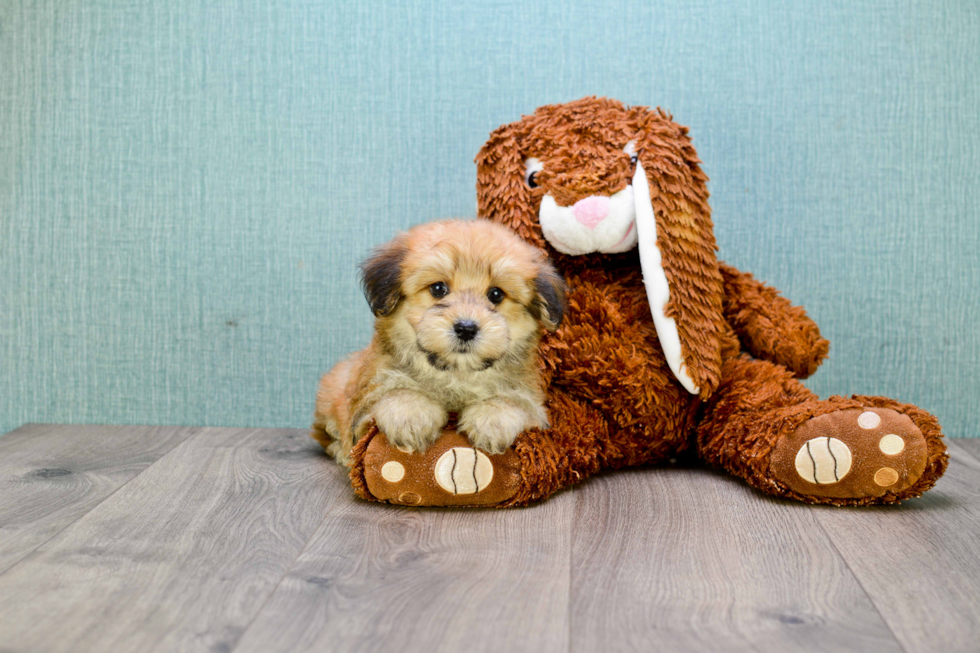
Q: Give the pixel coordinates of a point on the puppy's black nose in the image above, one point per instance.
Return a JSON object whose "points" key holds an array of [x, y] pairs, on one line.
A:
{"points": [[465, 329]]}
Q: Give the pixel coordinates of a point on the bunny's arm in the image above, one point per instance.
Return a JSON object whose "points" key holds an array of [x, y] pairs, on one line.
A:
{"points": [[769, 326]]}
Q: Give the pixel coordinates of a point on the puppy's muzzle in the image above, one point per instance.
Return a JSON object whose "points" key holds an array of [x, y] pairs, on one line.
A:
{"points": [[465, 330]]}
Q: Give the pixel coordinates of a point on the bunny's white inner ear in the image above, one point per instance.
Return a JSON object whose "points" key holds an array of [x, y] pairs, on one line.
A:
{"points": [[655, 280]]}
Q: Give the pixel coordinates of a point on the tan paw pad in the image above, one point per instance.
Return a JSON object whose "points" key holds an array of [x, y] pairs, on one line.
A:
{"points": [[868, 420], [891, 444], [886, 477], [393, 471]]}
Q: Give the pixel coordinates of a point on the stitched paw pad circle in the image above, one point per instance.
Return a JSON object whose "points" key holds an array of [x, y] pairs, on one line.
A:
{"points": [[823, 460], [462, 470]]}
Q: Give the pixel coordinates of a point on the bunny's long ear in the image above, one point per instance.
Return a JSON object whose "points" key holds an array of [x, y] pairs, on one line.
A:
{"points": [[501, 194], [677, 253]]}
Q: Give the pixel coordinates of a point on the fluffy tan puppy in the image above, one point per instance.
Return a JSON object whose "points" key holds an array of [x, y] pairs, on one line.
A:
{"points": [[460, 307]]}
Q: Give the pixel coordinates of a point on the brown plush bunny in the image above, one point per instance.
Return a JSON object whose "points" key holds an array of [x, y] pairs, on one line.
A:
{"points": [[649, 361]]}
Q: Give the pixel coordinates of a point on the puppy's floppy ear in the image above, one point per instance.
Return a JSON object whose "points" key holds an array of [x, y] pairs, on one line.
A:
{"points": [[550, 297], [381, 277]]}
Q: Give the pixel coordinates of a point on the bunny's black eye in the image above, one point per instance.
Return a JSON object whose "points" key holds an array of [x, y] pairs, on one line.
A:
{"points": [[495, 295], [532, 167], [439, 289], [633, 153]]}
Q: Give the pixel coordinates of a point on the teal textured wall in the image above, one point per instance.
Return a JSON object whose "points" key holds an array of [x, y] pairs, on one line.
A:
{"points": [[187, 185]]}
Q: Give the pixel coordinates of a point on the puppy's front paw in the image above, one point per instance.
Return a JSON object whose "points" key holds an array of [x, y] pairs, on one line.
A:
{"points": [[409, 420], [493, 425]]}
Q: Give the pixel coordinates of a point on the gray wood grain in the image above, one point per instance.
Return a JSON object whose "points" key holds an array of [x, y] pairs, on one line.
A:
{"points": [[150, 538], [678, 559], [920, 562], [52, 475], [383, 578], [968, 445], [182, 557]]}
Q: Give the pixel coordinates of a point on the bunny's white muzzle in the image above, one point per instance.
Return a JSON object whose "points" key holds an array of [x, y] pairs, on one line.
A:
{"points": [[597, 223]]}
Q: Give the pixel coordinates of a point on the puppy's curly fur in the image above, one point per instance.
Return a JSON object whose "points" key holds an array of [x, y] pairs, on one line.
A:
{"points": [[460, 307]]}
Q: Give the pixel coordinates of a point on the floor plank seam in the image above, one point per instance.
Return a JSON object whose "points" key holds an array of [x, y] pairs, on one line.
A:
{"points": [[275, 589], [571, 553], [857, 579], [103, 500]]}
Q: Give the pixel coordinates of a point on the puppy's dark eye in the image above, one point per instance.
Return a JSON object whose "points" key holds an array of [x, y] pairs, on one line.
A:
{"points": [[439, 289], [531, 183], [495, 295], [634, 158]]}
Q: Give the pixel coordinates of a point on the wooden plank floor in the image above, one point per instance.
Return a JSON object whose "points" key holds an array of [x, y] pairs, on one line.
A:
{"points": [[250, 540]]}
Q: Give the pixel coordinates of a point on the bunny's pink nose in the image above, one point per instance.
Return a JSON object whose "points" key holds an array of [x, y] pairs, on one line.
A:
{"points": [[591, 211]]}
